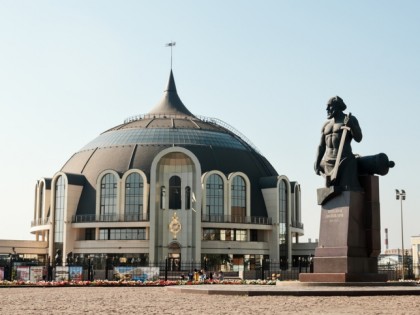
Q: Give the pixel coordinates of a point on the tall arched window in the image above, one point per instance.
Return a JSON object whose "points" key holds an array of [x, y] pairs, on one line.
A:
{"points": [[238, 198], [108, 206], [297, 204], [60, 194], [283, 226], [133, 197], [175, 192], [215, 197], [187, 197]]}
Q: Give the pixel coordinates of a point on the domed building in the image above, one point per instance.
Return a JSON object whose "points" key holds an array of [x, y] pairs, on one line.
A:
{"points": [[169, 185]]}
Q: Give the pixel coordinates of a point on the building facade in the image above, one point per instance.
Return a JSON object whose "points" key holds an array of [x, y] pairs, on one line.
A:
{"points": [[415, 251], [169, 185]]}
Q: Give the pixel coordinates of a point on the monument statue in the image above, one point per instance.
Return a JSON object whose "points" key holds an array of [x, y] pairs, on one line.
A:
{"points": [[349, 237], [335, 159]]}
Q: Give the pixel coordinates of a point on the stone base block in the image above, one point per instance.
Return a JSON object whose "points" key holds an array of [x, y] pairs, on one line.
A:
{"points": [[346, 265], [342, 277]]}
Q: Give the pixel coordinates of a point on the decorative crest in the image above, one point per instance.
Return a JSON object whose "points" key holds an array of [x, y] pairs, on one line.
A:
{"points": [[175, 226]]}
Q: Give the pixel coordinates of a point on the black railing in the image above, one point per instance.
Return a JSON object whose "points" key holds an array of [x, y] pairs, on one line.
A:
{"points": [[236, 219], [173, 269], [41, 221], [297, 224], [85, 218]]}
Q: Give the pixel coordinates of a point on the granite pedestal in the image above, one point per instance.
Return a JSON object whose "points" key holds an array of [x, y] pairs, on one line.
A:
{"points": [[349, 239]]}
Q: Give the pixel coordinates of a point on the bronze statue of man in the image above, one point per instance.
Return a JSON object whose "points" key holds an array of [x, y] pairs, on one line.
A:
{"points": [[335, 158]]}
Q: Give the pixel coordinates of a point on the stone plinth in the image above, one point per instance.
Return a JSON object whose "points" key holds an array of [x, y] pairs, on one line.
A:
{"points": [[349, 238]]}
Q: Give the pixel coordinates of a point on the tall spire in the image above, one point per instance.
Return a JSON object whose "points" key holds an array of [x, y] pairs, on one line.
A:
{"points": [[170, 104]]}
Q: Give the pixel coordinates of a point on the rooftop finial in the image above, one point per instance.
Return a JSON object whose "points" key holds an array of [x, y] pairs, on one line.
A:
{"points": [[171, 44]]}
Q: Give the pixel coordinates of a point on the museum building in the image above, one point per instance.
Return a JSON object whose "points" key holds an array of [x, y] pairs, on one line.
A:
{"points": [[169, 185]]}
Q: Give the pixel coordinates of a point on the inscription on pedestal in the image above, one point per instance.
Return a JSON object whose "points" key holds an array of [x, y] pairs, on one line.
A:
{"points": [[334, 215]]}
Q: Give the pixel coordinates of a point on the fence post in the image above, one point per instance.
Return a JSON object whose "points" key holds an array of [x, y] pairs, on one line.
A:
{"points": [[166, 268], [300, 264], [262, 269]]}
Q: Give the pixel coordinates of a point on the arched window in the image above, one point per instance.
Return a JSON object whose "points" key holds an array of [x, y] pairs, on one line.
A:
{"points": [[215, 197], [108, 206], [133, 197], [283, 223], [187, 197], [175, 192], [297, 204], [60, 194], [238, 198]]}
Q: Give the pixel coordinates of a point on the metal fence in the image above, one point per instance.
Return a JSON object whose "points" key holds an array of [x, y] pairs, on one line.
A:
{"points": [[171, 269]]}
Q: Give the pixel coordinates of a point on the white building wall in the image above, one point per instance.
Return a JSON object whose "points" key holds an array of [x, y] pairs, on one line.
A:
{"points": [[271, 203], [415, 246]]}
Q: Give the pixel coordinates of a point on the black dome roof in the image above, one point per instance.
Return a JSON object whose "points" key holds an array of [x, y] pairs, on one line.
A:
{"points": [[136, 142]]}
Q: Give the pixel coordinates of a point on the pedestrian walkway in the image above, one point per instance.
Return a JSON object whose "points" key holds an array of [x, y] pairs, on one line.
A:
{"points": [[295, 288]]}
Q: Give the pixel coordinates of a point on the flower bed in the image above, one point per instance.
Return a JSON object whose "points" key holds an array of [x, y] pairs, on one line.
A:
{"points": [[105, 283]]}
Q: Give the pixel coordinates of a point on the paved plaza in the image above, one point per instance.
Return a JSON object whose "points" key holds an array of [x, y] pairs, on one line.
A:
{"points": [[175, 300]]}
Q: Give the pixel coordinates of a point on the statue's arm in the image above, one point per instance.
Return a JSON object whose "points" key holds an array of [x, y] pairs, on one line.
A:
{"points": [[355, 129], [320, 153]]}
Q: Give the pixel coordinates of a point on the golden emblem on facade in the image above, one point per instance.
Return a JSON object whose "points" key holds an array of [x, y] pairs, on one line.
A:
{"points": [[175, 225]]}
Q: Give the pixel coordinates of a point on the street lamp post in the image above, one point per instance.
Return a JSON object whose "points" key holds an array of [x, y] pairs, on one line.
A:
{"points": [[401, 196]]}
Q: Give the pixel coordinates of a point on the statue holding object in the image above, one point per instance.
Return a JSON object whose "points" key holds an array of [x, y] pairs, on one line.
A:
{"points": [[349, 237], [335, 159]]}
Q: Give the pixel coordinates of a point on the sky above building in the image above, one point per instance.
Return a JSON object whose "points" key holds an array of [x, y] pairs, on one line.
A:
{"points": [[70, 70]]}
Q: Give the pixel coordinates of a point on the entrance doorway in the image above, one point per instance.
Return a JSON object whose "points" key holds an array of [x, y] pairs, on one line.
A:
{"points": [[174, 256]]}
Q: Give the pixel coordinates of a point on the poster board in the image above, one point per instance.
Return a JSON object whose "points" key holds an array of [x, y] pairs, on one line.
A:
{"points": [[75, 273], [22, 273], [37, 273], [61, 273], [129, 273]]}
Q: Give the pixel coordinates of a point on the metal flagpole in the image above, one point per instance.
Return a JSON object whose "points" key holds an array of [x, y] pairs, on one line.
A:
{"points": [[171, 44]]}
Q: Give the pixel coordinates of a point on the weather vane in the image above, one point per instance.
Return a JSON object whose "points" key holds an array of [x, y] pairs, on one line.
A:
{"points": [[171, 44]]}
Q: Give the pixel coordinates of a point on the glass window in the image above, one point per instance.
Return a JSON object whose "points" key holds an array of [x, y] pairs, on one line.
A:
{"points": [[211, 234], [108, 206], [59, 206], [133, 197], [59, 210], [175, 192], [224, 235], [238, 209], [165, 137], [297, 203], [254, 235], [283, 220], [227, 235], [240, 235], [103, 234], [89, 234], [187, 197], [214, 196], [122, 234]]}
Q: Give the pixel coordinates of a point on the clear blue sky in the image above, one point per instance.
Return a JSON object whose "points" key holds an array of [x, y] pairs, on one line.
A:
{"points": [[70, 70]]}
